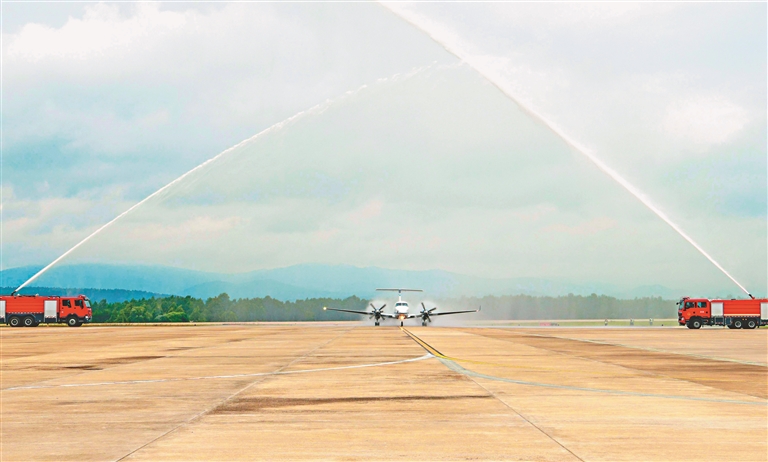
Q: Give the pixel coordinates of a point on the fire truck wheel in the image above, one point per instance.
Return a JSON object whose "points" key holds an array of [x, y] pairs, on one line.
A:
{"points": [[738, 324], [14, 321], [751, 324], [29, 321], [695, 323], [72, 321]]}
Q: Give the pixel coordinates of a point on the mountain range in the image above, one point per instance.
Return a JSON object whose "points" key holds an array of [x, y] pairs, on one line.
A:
{"points": [[305, 281]]}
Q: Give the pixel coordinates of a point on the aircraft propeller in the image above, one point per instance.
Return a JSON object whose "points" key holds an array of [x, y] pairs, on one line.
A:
{"points": [[425, 314], [376, 313]]}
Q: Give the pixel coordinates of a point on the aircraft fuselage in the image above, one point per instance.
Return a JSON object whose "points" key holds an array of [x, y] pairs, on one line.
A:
{"points": [[401, 309]]}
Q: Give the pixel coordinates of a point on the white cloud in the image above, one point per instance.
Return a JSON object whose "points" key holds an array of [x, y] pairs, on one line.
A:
{"points": [[705, 119], [568, 15], [369, 211], [38, 230], [189, 232], [586, 228], [101, 29]]}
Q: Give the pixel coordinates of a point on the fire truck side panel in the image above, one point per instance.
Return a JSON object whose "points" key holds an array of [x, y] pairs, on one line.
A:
{"points": [[50, 309], [2, 310], [25, 305], [764, 311], [717, 309], [740, 308]]}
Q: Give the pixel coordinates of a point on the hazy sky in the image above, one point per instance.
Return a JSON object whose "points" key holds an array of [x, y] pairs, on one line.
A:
{"points": [[413, 160]]}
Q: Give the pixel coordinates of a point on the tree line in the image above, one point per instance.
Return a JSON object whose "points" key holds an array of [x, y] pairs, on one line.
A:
{"points": [[224, 309]]}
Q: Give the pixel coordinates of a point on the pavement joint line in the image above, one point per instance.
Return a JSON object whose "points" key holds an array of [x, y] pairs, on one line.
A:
{"points": [[452, 363], [525, 418], [212, 377], [638, 372], [230, 397], [713, 358], [445, 359]]}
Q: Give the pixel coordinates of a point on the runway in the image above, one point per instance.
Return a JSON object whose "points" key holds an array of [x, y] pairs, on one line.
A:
{"points": [[303, 392]]}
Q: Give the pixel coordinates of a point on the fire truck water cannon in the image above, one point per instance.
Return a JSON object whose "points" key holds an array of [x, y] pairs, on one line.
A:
{"points": [[32, 310], [734, 314]]}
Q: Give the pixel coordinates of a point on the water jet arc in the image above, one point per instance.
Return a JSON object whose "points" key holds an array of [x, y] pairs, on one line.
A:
{"points": [[317, 108], [412, 19], [167, 186]]}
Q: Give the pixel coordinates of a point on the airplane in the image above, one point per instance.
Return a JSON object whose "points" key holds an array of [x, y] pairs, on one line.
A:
{"points": [[401, 310]]}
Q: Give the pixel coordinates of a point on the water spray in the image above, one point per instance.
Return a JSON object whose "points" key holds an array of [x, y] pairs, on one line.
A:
{"points": [[275, 127], [416, 21], [313, 110]]}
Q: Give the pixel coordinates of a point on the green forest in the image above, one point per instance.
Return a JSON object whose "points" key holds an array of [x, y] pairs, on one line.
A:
{"points": [[224, 309]]}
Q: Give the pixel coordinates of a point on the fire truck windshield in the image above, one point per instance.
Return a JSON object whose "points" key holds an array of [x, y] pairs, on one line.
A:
{"points": [[87, 304]]}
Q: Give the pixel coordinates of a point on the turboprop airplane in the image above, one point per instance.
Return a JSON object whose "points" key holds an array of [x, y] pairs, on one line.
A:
{"points": [[401, 310]]}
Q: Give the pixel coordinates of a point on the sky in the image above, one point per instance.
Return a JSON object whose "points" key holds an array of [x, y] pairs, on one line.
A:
{"points": [[358, 139]]}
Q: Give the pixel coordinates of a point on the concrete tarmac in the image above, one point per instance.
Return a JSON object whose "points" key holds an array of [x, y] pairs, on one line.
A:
{"points": [[345, 392]]}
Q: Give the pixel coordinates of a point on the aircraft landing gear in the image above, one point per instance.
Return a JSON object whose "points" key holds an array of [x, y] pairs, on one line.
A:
{"points": [[424, 323], [401, 323], [376, 323]]}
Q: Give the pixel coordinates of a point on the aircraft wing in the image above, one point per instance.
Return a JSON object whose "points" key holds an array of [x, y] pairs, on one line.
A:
{"points": [[453, 312], [347, 311]]}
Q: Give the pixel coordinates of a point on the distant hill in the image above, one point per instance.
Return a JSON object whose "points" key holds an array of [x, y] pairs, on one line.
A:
{"points": [[260, 288], [156, 279], [110, 295], [306, 281]]}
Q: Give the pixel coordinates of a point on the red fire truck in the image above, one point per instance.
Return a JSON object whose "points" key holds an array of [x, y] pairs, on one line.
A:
{"points": [[31, 310], [735, 314]]}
